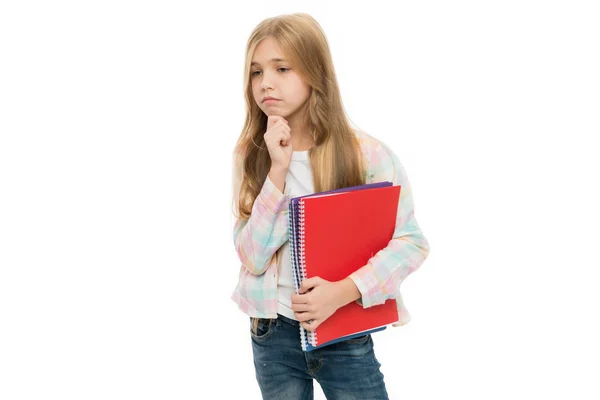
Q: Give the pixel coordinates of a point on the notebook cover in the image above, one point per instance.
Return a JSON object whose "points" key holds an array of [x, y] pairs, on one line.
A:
{"points": [[294, 227], [341, 233]]}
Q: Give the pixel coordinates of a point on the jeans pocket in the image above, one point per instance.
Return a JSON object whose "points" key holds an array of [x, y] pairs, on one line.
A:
{"points": [[264, 328], [358, 340]]}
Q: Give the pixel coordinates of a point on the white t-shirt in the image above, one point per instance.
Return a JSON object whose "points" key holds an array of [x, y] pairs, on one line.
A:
{"points": [[298, 182]]}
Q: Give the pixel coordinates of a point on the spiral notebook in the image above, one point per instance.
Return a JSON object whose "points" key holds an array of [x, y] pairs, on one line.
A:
{"points": [[333, 234]]}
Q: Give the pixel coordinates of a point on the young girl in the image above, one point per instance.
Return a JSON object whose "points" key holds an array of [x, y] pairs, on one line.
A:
{"points": [[297, 141]]}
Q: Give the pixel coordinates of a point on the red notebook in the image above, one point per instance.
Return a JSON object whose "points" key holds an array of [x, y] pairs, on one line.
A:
{"points": [[341, 232]]}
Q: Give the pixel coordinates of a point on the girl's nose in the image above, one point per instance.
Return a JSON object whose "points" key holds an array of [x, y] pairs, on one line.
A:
{"points": [[266, 82], [266, 85]]}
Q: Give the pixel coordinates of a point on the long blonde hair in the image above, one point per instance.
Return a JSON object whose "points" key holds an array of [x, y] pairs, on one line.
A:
{"points": [[336, 159]]}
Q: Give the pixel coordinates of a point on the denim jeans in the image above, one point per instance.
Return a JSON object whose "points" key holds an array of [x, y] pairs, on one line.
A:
{"points": [[344, 370]]}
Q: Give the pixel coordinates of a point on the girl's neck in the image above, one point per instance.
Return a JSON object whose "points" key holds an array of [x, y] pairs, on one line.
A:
{"points": [[301, 142], [301, 139]]}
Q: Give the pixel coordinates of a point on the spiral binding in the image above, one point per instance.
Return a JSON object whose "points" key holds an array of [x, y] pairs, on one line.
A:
{"points": [[312, 335], [292, 241]]}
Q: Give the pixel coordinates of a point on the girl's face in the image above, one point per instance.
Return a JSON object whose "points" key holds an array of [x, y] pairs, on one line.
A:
{"points": [[276, 78]]}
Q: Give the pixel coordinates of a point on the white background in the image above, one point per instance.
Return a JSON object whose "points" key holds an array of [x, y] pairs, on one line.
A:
{"points": [[117, 121]]}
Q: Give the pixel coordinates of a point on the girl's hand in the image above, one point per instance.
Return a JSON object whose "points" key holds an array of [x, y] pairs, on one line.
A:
{"points": [[317, 301], [279, 142]]}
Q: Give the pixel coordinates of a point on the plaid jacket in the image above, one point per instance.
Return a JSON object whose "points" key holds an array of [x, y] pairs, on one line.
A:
{"points": [[257, 239]]}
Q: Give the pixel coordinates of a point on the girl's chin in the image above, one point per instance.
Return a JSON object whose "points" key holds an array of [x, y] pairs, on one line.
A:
{"points": [[275, 112]]}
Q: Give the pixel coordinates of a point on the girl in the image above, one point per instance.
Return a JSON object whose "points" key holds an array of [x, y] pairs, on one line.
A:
{"points": [[297, 141]]}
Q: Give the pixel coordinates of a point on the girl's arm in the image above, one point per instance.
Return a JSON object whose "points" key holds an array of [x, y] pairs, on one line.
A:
{"points": [[257, 238], [381, 277]]}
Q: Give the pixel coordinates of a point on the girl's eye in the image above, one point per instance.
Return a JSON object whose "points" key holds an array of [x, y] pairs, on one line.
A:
{"points": [[286, 69]]}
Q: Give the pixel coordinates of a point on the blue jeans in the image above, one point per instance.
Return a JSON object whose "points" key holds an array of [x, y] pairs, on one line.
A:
{"points": [[344, 370]]}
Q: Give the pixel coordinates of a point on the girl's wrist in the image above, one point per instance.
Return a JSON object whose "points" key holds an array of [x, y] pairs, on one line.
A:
{"points": [[277, 176], [348, 291], [276, 169]]}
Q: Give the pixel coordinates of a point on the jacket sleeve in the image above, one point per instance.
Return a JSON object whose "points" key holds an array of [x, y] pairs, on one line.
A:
{"points": [[257, 238], [380, 279]]}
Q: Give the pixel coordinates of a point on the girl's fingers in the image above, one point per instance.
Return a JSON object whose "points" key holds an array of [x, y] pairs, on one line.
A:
{"points": [[310, 325], [299, 307], [304, 316], [284, 136]]}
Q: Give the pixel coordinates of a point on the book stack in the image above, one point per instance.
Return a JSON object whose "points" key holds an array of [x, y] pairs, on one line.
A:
{"points": [[333, 234]]}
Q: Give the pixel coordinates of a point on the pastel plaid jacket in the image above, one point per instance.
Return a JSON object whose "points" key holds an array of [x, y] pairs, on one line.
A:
{"points": [[258, 238]]}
